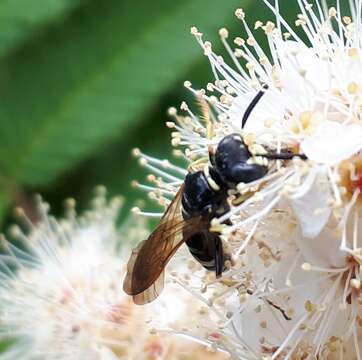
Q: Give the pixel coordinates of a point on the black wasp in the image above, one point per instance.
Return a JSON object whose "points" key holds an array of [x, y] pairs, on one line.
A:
{"points": [[202, 197]]}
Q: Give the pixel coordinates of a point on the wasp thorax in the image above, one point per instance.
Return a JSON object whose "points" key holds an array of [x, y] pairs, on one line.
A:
{"points": [[199, 196]]}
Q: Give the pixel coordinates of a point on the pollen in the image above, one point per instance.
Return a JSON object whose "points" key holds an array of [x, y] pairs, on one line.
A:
{"points": [[352, 88], [347, 20], [305, 119], [309, 306], [353, 53], [351, 175], [306, 122]]}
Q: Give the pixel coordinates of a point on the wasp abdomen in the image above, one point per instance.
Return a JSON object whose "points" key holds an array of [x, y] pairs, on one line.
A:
{"points": [[205, 196], [202, 248], [206, 248]]}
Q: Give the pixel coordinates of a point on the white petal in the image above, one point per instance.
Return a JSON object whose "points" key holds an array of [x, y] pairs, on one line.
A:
{"points": [[296, 58], [323, 251], [333, 142], [311, 208], [106, 354]]}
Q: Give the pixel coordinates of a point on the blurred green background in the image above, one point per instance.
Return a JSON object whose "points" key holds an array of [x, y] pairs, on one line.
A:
{"points": [[82, 82]]}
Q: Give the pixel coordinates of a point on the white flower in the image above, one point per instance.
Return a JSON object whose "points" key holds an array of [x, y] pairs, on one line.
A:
{"points": [[294, 288], [61, 292]]}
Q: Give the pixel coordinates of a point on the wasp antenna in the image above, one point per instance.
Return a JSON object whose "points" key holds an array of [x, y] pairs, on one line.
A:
{"points": [[252, 105], [278, 156]]}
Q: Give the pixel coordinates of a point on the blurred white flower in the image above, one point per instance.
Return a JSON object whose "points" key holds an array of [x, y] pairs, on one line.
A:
{"points": [[294, 287], [61, 292]]}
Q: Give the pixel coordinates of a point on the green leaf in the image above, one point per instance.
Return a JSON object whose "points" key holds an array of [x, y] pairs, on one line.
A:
{"points": [[93, 79], [6, 343], [7, 194], [23, 19]]}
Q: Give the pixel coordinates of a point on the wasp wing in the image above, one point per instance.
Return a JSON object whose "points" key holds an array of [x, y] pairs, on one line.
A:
{"points": [[145, 268], [135, 280]]}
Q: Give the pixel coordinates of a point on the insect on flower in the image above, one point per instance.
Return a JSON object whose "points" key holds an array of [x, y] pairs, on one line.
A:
{"points": [[202, 197]]}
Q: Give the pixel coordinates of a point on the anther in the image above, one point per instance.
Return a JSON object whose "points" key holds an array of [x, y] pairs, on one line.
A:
{"points": [[223, 33], [136, 210], [70, 203], [306, 267], [355, 283], [239, 13], [136, 152], [172, 111], [170, 124]]}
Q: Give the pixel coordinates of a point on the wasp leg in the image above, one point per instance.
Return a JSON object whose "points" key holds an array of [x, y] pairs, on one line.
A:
{"points": [[219, 257]]}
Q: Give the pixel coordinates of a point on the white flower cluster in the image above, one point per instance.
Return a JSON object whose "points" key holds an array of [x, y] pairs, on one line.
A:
{"points": [[293, 289], [61, 294]]}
